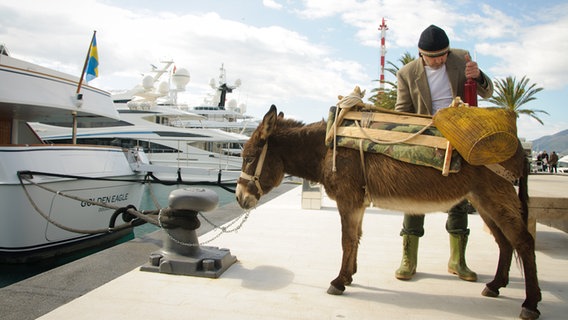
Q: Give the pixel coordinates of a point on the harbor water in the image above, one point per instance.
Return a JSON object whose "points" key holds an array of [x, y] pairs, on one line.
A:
{"points": [[12, 273]]}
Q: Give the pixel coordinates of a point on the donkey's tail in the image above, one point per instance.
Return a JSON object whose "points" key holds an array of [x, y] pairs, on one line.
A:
{"points": [[524, 191]]}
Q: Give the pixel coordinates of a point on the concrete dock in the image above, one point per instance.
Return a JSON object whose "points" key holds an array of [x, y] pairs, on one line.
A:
{"points": [[286, 258]]}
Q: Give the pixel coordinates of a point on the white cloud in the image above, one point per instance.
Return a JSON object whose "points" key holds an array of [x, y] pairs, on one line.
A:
{"points": [[531, 129], [537, 52], [316, 9], [272, 4], [275, 64], [279, 62], [491, 23], [405, 19]]}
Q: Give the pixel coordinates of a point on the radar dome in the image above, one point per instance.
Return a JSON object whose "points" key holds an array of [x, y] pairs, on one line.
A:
{"points": [[238, 83], [181, 78], [232, 104], [243, 108], [148, 82], [164, 87]]}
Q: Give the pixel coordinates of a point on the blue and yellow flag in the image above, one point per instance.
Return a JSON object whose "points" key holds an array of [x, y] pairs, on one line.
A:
{"points": [[93, 62]]}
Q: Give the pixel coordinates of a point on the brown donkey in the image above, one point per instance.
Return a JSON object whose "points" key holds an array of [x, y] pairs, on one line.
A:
{"points": [[280, 146]]}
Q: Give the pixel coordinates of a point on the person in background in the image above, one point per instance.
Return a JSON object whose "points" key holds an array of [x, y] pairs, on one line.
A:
{"points": [[553, 162], [544, 158], [539, 161], [426, 85]]}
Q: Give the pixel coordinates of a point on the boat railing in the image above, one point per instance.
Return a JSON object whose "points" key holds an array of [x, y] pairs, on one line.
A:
{"points": [[190, 154]]}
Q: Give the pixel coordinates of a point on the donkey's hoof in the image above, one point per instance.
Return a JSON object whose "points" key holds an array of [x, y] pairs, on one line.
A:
{"points": [[490, 293], [334, 291], [527, 314]]}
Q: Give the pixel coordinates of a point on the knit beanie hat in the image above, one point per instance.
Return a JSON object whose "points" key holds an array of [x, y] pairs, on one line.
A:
{"points": [[433, 42]]}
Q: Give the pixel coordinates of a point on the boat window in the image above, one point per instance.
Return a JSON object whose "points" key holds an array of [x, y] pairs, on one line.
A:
{"points": [[149, 147], [91, 124], [179, 134]]}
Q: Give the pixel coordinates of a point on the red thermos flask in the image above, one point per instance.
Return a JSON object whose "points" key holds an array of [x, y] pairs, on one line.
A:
{"points": [[470, 92]]}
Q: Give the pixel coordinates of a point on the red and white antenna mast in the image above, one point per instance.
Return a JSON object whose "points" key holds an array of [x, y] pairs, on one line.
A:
{"points": [[383, 28]]}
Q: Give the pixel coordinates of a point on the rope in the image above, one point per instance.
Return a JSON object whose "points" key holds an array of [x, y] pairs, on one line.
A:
{"points": [[356, 99], [144, 215], [153, 196], [223, 185], [345, 103], [366, 186], [55, 223], [334, 168]]}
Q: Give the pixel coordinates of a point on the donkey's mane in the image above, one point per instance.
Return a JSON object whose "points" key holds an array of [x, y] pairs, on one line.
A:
{"points": [[290, 127]]}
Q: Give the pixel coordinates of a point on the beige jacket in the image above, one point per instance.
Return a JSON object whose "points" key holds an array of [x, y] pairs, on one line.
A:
{"points": [[413, 93]]}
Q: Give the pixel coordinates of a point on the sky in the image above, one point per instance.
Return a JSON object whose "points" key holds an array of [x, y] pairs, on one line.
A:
{"points": [[297, 54]]}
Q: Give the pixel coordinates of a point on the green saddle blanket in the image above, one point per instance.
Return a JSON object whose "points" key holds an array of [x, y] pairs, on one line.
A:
{"points": [[381, 136]]}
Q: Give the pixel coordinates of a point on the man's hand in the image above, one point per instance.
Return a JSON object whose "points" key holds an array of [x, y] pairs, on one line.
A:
{"points": [[471, 68]]}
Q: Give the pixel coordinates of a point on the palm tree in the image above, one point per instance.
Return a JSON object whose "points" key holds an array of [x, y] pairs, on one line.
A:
{"points": [[512, 95], [388, 98]]}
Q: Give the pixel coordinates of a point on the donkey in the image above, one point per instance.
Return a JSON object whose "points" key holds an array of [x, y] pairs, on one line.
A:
{"points": [[279, 146]]}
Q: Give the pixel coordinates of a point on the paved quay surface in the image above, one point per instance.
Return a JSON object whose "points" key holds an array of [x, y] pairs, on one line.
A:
{"points": [[286, 258], [38, 295], [548, 185]]}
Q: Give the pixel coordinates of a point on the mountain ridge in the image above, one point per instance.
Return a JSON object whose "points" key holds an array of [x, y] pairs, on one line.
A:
{"points": [[556, 142]]}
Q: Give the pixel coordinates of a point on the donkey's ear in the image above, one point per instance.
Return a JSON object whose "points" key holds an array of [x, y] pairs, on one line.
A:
{"points": [[281, 115], [268, 123]]}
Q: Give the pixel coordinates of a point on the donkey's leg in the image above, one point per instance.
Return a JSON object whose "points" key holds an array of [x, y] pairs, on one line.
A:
{"points": [[501, 278], [356, 253], [503, 206], [351, 221]]}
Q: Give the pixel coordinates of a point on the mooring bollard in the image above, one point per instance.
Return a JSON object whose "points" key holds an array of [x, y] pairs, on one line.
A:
{"points": [[181, 253]]}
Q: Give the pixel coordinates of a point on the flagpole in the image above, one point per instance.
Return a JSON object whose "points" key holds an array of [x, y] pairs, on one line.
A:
{"points": [[78, 97], [86, 62]]}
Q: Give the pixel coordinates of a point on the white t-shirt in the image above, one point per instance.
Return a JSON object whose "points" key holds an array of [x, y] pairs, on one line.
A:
{"points": [[440, 88]]}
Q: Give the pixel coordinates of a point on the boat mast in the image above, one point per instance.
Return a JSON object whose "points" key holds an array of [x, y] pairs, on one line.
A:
{"points": [[224, 88]]}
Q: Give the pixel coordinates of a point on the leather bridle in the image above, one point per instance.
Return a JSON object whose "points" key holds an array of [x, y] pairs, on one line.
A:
{"points": [[258, 170]]}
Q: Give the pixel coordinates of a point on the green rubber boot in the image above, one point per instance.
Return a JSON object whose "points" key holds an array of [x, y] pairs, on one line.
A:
{"points": [[457, 264], [409, 257]]}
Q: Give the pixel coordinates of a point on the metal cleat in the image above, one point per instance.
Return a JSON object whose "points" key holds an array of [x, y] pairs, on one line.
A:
{"points": [[181, 253]]}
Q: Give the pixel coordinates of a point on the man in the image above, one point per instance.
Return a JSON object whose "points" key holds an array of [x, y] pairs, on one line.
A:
{"points": [[426, 85], [553, 162]]}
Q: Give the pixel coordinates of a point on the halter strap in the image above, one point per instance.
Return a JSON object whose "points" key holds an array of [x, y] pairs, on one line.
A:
{"points": [[258, 171]]}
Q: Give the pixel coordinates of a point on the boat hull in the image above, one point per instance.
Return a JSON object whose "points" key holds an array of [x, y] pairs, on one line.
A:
{"points": [[86, 174]]}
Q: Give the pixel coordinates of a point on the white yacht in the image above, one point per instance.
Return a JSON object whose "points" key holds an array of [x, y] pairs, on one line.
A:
{"points": [[219, 113], [57, 198], [148, 114], [563, 165]]}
